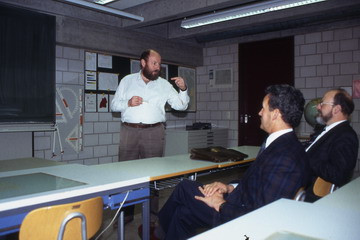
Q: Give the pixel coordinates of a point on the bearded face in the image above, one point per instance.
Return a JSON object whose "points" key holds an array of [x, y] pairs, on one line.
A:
{"points": [[323, 118], [149, 73]]}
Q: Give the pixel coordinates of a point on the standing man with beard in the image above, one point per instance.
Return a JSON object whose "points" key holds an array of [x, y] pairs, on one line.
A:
{"points": [[333, 154], [141, 99]]}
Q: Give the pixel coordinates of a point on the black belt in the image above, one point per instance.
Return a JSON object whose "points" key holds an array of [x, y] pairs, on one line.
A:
{"points": [[141, 125]]}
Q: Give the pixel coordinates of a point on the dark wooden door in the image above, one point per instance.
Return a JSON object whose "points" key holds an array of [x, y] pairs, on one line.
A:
{"points": [[261, 64]]}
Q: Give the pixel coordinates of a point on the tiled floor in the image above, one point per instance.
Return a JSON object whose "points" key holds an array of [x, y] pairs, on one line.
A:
{"points": [[131, 232]]}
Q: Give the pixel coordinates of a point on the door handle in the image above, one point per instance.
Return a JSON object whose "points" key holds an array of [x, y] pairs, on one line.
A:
{"points": [[244, 118]]}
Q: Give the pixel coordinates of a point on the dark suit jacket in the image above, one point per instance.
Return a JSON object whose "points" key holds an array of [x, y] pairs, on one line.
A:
{"points": [[333, 157], [278, 172]]}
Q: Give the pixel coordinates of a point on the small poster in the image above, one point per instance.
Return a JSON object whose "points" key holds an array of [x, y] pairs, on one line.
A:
{"points": [[189, 75], [90, 61], [104, 61], [90, 80], [103, 102], [164, 71], [111, 97], [90, 102], [108, 81], [135, 66]]}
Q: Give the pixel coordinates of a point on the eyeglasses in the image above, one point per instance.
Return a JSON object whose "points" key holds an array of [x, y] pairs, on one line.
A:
{"points": [[329, 103]]}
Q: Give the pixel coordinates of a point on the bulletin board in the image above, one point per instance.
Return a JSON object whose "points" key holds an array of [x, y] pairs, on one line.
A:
{"points": [[103, 73]]}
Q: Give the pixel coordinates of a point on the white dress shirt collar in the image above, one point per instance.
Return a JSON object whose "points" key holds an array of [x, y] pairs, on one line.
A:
{"points": [[327, 128], [272, 137]]}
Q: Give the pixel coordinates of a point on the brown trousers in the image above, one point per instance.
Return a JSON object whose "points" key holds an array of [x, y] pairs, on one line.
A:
{"points": [[138, 143]]}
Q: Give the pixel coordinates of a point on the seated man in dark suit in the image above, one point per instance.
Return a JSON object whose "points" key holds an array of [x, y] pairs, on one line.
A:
{"points": [[333, 154], [278, 172]]}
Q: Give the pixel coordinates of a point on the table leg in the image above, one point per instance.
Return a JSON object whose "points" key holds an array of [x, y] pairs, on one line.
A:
{"points": [[121, 226], [146, 220]]}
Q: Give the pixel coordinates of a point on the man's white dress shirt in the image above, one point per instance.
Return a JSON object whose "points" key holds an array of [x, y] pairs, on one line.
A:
{"points": [[155, 94]]}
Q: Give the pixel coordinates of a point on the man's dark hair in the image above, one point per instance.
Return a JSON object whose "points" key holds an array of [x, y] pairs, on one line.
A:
{"points": [[289, 101], [344, 99]]}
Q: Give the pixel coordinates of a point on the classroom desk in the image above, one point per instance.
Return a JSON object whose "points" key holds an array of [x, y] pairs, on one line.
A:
{"points": [[330, 218], [110, 181], [170, 170], [73, 182]]}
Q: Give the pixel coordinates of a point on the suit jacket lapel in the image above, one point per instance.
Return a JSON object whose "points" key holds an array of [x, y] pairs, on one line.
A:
{"points": [[336, 130]]}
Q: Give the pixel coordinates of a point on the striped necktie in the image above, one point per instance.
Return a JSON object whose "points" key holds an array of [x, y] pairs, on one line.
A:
{"points": [[262, 148]]}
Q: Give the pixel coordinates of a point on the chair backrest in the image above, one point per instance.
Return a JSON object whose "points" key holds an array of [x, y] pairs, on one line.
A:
{"points": [[323, 188], [74, 219], [300, 195]]}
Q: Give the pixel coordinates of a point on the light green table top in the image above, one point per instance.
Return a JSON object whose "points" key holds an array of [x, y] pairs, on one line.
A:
{"points": [[25, 163], [58, 182], [38, 180], [335, 216], [26, 184], [290, 220], [159, 168]]}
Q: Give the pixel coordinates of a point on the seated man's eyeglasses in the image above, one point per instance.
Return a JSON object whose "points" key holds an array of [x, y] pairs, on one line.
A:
{"points": [[329, 103]]}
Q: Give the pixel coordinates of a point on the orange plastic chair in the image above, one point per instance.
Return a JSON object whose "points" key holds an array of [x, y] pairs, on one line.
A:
{"points": [[322, 188], [72, 221]]}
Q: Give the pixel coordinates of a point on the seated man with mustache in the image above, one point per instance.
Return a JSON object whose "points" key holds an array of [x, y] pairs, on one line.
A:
{"points": [[333, 154]]}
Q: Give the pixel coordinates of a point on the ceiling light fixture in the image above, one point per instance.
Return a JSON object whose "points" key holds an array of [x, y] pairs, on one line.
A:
{"points": [[245, 11], [103, 2], [106, 9]]}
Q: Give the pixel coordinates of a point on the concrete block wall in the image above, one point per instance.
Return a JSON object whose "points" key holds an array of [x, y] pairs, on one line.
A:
{"points": [[180, 119], [325, 60], [101, 131], [219, 105]]}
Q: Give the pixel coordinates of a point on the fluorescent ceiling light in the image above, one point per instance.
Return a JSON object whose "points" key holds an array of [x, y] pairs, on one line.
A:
{"points": [[246, 11], [105, 9], [103, 2]]}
